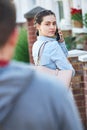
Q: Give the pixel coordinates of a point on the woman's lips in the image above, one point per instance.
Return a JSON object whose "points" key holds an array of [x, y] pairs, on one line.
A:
{"points": [[52, 32]]}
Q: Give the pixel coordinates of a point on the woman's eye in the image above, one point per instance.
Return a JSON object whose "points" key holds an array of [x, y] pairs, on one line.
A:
{"points": [[47, 24], [54, 23]]}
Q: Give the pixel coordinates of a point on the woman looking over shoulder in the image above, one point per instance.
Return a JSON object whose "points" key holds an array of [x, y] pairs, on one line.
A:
{"points": [[53, 52]]}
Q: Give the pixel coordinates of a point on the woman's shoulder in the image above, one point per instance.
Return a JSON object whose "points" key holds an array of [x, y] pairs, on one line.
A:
{"points": [[36, 43], [52, 44], [48, 42]]}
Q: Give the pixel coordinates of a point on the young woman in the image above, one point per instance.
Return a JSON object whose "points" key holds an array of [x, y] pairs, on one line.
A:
{"points": [[52, 53]]}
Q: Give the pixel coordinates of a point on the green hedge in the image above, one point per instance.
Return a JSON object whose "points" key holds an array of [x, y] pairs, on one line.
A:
{"points": [[21, 50]]}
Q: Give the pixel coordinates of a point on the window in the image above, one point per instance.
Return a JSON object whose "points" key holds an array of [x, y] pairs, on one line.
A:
{"points": [[61, 11]]}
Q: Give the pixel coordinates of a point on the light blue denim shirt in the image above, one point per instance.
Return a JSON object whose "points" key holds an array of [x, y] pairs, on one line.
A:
{"points": [[53, 55]]}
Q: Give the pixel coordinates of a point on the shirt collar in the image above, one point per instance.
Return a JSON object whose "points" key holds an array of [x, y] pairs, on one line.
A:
{"points": [[3, 63], [44, 38]]}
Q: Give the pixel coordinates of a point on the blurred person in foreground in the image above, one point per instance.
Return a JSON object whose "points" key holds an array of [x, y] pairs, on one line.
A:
{"points": [[28, 100]]}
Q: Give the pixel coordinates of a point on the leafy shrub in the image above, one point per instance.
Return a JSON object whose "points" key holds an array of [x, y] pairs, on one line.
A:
{"points": [[70, 42], [21, 50]]}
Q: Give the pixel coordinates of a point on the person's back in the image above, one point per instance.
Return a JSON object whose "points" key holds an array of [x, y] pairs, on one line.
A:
{"points": [[31, 101]]}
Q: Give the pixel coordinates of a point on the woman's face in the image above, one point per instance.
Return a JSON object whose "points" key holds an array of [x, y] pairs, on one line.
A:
{"points": [[47, 26]]}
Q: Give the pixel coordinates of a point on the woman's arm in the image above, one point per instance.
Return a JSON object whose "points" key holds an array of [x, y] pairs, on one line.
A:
{"points": [[61, 42], [59, 58]]}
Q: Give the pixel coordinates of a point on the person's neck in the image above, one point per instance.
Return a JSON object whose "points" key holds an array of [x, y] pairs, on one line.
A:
{"points": [[4, 60], [5, 53]]}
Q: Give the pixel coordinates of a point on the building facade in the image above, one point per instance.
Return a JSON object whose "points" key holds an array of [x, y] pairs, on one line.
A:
{"points": [[60, 7]]}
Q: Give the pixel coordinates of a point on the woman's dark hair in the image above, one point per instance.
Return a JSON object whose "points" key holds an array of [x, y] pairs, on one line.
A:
{"points": [[39, 17]]}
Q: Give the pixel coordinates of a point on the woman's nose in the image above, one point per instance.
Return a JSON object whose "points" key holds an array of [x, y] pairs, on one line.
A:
{"points": [[52, 26]]}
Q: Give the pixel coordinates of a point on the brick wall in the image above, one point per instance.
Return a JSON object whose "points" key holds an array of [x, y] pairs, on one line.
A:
{"points": [[31, 29], [31, 36], [85, 89], [79, 88]]}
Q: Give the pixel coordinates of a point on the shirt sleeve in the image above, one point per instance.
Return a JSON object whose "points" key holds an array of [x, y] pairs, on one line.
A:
{"points": [[63, 47], [59, 58]]}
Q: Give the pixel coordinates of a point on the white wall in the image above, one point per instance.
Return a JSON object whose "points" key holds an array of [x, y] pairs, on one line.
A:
{"points": [[84, 6], [76, 3], [22, 7]]}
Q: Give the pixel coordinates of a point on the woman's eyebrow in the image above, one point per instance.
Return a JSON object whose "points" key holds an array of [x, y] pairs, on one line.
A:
{"points": [[50, 21]]}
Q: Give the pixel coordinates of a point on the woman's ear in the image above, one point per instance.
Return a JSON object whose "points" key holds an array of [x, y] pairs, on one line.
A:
{"points": [[38, 26]]}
